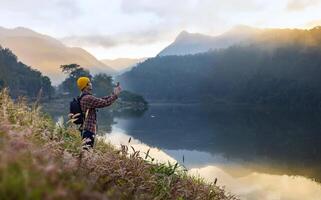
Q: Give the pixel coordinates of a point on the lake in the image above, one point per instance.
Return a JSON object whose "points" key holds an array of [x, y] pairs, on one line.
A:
{"points": [[253, 153]]}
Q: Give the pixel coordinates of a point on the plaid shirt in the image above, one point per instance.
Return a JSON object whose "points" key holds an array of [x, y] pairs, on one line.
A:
{"points": [[88, 104]]}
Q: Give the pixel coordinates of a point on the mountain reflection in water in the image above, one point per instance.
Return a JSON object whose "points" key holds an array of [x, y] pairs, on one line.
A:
{"points": [[256, 154], [238, 179], [281, 142]]}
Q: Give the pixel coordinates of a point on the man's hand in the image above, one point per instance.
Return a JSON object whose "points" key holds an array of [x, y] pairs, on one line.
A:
{"points": [[117, 89]]}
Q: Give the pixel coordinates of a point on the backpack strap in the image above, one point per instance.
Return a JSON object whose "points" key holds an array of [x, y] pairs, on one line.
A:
{"points": [[82, 114], [81, 96]]}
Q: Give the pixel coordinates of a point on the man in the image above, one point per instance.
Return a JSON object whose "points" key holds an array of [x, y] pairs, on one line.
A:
{"points": [[89, 104]]}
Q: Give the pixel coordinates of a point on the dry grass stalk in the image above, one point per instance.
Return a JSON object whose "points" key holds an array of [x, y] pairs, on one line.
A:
{"points": [[42, 160]]}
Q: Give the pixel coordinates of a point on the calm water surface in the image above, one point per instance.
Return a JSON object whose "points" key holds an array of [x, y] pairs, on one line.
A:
{"points": [[255, 154]]}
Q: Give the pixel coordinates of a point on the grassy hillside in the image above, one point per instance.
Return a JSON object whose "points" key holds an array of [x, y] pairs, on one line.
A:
{"points": [[42, 160]]}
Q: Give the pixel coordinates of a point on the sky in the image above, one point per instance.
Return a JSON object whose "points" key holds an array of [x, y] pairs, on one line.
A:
{"points": [[142, 28]]}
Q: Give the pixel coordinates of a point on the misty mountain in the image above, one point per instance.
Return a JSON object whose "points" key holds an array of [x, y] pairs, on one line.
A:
{"points": [[46, 54], [122, 64], [192, 43], [281, 67]]}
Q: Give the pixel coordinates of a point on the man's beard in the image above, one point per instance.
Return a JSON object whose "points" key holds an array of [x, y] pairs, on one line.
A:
{"points": [[88, 90]]}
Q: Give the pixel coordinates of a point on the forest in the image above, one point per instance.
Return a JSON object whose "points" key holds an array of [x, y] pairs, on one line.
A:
{"points": [[266, 72], [21, 79]]}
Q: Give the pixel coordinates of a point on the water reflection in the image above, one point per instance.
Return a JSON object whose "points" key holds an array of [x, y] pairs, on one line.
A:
{"points": [[274, 142], [263, 186], [257, 154], [118, 137], [238, 179]]}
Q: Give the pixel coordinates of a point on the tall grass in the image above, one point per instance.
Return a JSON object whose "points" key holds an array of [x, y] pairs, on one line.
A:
{"points": [[40, 159]]}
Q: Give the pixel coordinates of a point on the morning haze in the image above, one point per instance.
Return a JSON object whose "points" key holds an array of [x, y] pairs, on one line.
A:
{"points": [[197, 99]]}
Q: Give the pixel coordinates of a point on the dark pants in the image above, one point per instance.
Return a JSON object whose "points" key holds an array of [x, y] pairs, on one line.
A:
{"points": [[89, 137]]}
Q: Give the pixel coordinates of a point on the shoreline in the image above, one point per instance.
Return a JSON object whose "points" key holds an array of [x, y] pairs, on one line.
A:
{"points": [[58, 168]]}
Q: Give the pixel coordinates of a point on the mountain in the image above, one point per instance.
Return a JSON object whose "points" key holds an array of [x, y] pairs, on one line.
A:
{"points": [[192, 43], [122, 64], [21, 79], [46, 54], [280, 67]]}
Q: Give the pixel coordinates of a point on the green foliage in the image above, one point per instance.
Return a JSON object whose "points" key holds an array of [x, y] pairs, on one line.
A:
{"points": [[102, 84], [166, 169], [20, 78], [268, 73], [1, 84], [17, 177], [74, 71], [132, 97], [71, 69]]}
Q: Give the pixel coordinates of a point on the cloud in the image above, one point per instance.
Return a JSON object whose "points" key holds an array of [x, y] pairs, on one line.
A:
{"points": [[90, 40], [181, 7], [313, 23], [110, 41], [38, 8], [194, 15], [117, 23], [299, 5], [48, 17]]}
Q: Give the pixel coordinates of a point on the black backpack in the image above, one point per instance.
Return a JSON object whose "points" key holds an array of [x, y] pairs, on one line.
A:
{"points": [[75, 110]]}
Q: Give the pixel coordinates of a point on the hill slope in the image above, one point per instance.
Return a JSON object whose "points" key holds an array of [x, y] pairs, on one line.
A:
{"points": [[43, 160], [46, 53], [280, 67], [20, 78], [122, 64]]}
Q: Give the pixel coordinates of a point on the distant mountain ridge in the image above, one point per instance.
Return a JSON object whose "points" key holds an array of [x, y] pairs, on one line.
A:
{"points": [[46, 53], [122, 64], [192, 43]]}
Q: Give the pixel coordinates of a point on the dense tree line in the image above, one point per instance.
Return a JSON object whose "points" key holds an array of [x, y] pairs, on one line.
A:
{"points": [[285, 74], [73, 72], [102, 84], [20, 78]]}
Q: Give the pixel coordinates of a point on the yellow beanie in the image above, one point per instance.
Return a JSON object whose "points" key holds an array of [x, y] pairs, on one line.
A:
{"points": [[82, 82]]}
